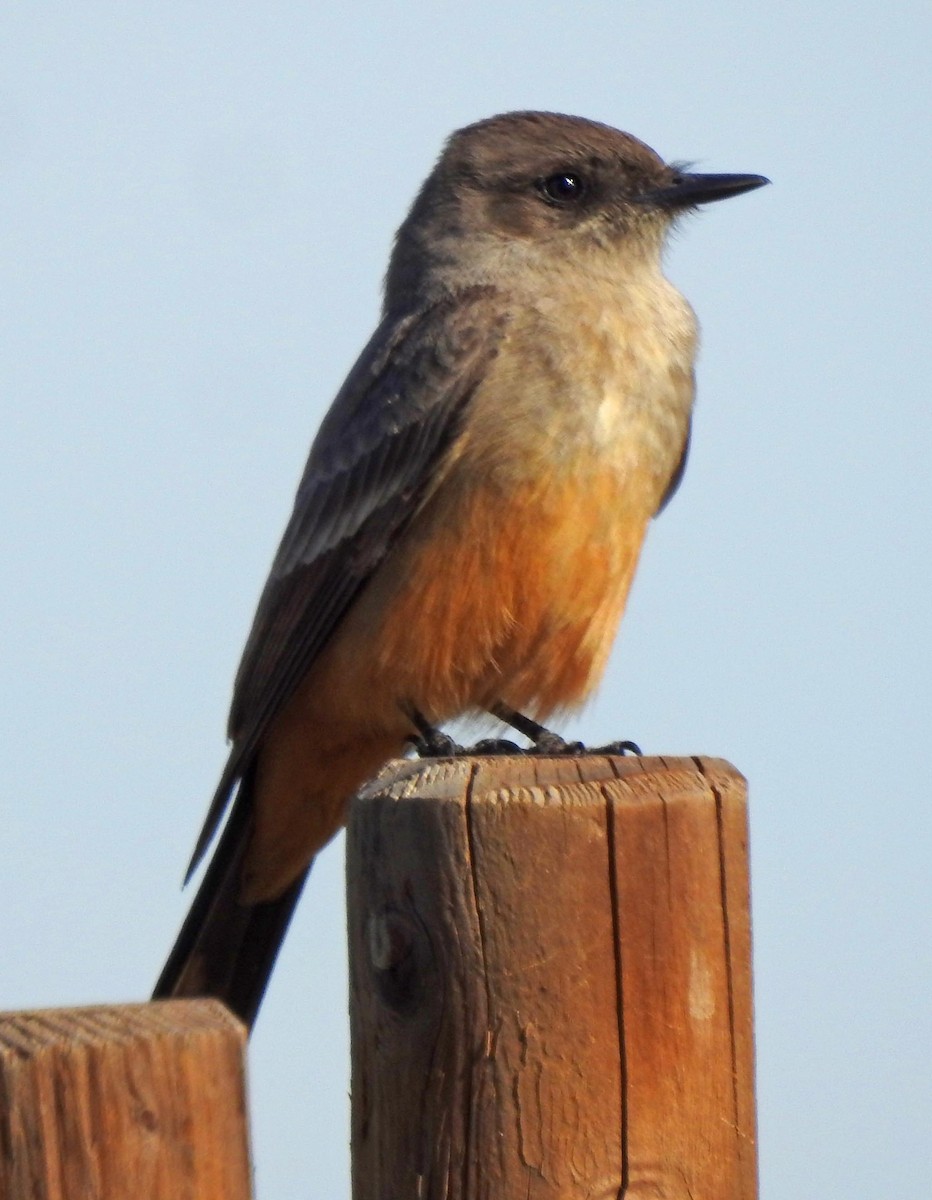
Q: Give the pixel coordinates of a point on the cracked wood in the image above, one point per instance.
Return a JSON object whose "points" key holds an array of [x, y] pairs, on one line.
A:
{"points": [[550, 981]]}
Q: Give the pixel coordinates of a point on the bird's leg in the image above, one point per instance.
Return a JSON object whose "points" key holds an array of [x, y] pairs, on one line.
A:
{"points": [[430, 741], [547, 742]]}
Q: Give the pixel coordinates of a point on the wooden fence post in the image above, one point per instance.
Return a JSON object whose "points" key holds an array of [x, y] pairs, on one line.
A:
{"points": [[125, 1102], [550, 981]]}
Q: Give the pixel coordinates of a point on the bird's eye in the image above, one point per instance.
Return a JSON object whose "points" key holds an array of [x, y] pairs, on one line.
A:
{"points": [[564, 188]]}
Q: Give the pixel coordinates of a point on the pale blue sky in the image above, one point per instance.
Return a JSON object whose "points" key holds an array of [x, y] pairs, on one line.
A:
{"points": [[196, 204]]}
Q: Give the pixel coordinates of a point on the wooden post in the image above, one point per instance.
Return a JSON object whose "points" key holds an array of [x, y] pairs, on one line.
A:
{"points": [[550, 981], [128, 1102]]}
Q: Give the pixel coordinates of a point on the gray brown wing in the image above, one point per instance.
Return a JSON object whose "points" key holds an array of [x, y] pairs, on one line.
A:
{"points": [[398, 411]]}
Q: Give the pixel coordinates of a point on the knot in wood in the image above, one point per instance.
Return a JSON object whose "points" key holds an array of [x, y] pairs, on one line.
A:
{"points": [[393, 952], [390, 941]]}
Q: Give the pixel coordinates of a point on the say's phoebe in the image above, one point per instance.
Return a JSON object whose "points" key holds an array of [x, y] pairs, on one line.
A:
{"points": [[469, 520]]}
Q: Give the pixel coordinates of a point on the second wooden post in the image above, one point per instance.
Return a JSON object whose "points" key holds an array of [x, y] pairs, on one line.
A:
{"points": [[550, 981]]}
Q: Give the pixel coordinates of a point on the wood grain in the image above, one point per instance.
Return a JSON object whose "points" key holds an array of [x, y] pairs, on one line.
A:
{"points": [[122, 1103], [550, 981]]}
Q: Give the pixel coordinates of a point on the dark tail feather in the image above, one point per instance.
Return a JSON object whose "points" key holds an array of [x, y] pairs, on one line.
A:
{"points": [[225, 948]]}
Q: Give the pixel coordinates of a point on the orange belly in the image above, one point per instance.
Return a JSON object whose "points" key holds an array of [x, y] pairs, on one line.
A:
{"points": [[514, 598]]}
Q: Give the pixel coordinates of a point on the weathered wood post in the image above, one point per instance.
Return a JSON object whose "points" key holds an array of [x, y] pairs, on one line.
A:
{"points": [[550, 981], [124, 1102]]}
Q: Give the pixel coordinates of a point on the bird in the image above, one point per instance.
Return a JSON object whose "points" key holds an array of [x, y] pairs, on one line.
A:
{"points": [[469, 520]]}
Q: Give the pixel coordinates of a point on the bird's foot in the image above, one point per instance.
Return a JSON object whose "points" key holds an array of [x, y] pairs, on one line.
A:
{"points": [[431, 742], [546, 742], [495, 746], [434, 743], [621, 748]]}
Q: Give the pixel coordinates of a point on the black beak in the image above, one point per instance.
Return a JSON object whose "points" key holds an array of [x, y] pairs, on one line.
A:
{"points": [[689, 189]]}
